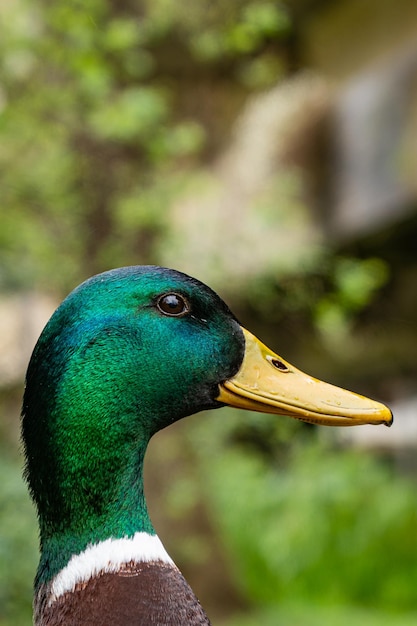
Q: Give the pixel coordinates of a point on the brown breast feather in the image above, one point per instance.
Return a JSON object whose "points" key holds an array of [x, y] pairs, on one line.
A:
{"points": [[140, 594]]}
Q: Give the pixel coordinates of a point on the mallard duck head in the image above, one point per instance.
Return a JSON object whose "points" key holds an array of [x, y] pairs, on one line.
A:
{"points": [[127, 353]]}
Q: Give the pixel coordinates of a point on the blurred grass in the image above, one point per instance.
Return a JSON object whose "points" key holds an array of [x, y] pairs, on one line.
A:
{"points": [[18, 545], [310, 615], [323, 526]]}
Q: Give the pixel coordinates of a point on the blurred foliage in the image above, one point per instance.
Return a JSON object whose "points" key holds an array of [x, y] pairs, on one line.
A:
{"points": [[98, 114], [332, 528], [18, 546], [108, 111], [354, 284], [299, 615]]}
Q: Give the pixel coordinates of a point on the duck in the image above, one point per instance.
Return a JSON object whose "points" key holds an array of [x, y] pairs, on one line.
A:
{"points": [[129, 352]]}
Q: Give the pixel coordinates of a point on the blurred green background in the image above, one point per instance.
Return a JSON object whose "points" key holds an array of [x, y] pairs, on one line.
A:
{"points": [[268, 149]]}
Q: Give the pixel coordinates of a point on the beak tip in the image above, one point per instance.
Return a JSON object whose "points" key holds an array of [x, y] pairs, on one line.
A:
{"points": [[386, 415], [382, 416], [389, 422]]}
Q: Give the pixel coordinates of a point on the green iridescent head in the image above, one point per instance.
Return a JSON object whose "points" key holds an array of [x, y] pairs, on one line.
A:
{"points": [[127, 353]]}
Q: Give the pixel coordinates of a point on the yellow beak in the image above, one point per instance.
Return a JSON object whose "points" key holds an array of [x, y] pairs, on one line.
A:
{"points": [[269, 384]]}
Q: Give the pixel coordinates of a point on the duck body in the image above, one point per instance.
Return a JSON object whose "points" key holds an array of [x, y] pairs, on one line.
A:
{"points": [[136, 592], [126, 354]]}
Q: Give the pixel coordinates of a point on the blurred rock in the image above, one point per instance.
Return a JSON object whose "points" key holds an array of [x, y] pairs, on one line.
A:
{"points": [[22, 318], [375, 158], [247, 216]]}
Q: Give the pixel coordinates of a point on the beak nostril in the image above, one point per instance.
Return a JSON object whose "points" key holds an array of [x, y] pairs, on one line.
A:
{"points": [[280, 365]]}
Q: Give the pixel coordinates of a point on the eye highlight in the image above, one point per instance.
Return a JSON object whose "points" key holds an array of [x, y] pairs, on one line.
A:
{"points": [[173, 304]]}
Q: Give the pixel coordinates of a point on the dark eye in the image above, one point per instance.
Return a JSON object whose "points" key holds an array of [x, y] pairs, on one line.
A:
{"points": [[173, 304]]}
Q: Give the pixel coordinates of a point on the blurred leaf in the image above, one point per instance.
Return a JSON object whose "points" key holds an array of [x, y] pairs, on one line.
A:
{"points": [[355, 283], [121, 34], [134, 113]]}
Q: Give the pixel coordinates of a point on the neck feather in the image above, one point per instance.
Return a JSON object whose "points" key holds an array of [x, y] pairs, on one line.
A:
{"points": [[107, 557], [101, 499]]}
